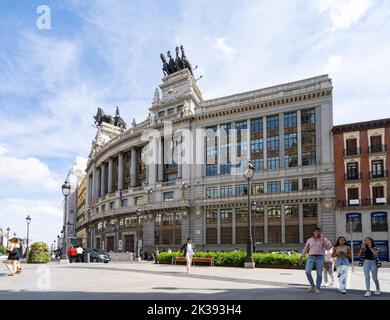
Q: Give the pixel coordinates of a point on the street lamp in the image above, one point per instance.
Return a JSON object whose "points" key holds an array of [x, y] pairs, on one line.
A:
{"points": [[138, 247], [58, 241], [8, 230], [248, 174], [65, 191], [28, 220]]}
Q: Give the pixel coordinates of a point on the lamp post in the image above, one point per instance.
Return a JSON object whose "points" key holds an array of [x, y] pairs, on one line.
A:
{"points": [[58, 241], [28, 220], [248, 174], [138, 247], [65, 191], [8, 230]]}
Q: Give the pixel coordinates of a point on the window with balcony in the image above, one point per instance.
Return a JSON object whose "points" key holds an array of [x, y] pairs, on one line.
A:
{"points": [[273, 187], [379, 222], [212, 192], [353, 196], [354, 219], [308, 158], [272, 123], [226, 191], [257, 188], [376, 144], [353, 171], [257, 125], [290, 160], [241, 189], [273, 163], [290, 140], [377, 169], [378, 194], [309, 184], [291, 185], [273, 143], [352, 148], [168, 196], [290, 120]]}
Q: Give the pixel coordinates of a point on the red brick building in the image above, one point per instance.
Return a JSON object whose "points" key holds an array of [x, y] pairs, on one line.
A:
{"points": [[361, 160]]}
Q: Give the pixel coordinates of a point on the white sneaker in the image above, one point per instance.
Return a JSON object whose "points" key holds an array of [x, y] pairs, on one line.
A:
{"points": [[367, 294], [343, 291], [317, 291], [377, 292]]}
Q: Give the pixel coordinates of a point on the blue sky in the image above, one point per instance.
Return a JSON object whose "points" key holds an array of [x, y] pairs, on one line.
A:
{"points": [[106, 53]]}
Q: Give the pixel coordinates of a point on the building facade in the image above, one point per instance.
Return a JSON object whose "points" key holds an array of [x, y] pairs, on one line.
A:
{"points": [[362, 182], [138, 197], [81, 199]]}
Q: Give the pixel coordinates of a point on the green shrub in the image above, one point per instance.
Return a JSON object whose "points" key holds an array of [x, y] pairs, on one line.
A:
{"points": [[38, 253], [3, 250], [237, 258]]}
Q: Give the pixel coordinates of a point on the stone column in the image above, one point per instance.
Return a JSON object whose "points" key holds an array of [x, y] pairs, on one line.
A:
{"points": [[102, 180], [265, 224], [218, 226], [301, 240], [133, 167], [120, 171], [160, 171], [97, 183], [299, 137], [283, 224], [234, 237], [93, 188], [110, 175]]}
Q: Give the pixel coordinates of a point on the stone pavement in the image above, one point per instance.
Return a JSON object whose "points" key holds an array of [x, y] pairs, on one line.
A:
{"points": [[145, 280]]}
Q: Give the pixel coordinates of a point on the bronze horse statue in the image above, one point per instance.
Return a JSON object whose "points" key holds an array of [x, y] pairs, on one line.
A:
{"points": [[102, 117]]}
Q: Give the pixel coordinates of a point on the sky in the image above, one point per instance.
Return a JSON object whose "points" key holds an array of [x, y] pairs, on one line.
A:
{"points": [[106, 54]]}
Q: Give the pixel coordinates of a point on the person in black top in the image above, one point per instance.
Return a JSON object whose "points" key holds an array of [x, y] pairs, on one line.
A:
{"points": [[18, 264], [369, 254], [13, 256]]}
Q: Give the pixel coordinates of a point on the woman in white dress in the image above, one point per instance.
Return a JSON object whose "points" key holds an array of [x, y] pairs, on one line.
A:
{"points": [[188, 250]]}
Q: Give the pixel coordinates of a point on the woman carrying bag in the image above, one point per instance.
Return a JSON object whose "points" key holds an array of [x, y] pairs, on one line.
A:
{"points": [[370, 262], [13, 256]]}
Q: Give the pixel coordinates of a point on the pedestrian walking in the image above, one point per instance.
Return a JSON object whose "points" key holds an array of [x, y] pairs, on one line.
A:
{"points": [[19, 267], [72, 253], [13, 256], [315, 247], [328, 268], [79, 252], [342, 253], [188, 250], [370, 261]]}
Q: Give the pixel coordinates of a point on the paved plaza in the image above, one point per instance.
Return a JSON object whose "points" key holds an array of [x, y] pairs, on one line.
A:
{"points": [[145, 280]]}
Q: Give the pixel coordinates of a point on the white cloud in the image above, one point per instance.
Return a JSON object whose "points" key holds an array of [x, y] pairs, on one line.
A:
{"points": [[29, 172], [344, 13], [334, 63], [221, 45]]}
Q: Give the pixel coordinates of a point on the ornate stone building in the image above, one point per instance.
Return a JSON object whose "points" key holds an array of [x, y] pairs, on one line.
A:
{"points": [[134, 190]]}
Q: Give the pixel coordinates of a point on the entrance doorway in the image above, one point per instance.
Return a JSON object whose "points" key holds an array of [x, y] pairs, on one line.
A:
{"points": [[129, 243]]}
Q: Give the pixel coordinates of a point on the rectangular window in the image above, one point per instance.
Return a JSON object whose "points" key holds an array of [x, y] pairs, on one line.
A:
{"points": [[273, 187], [161, 114], [272, 123], [309, 184], [211, 216], [351, 147], [379, 195], [211, 192], [308, 138], [256, 125], [259, 164], [352, 171], [310, 210], [353, 194], [171, 111], [112, 205], [226, 169], [290, 140], [124, 203], [226, 215], [377, 169], [211, 170], [356, 221], [291, 212], [379, 222], [168, 219], [291, 185], [376, 144], [226, 191], [308, 158], [225, 129], [242, 148], [168, 196], [290, 120], [256, 145], [103, 208], [241, 125], [308, 116], [257, 188], [273, 143], [241, 189], [139, 200], [273, 163], [274, 213], [179, 109], [290, 160], [157, 219]]}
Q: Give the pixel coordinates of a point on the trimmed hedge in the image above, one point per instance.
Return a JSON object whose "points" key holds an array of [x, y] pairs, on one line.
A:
{"points": [[39, 253], [3, 250], [237, 258]]}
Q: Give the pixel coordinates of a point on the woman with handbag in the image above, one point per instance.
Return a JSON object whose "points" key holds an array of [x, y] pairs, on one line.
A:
{"points": [[188, 250], [342, 253], [369, 255]]}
